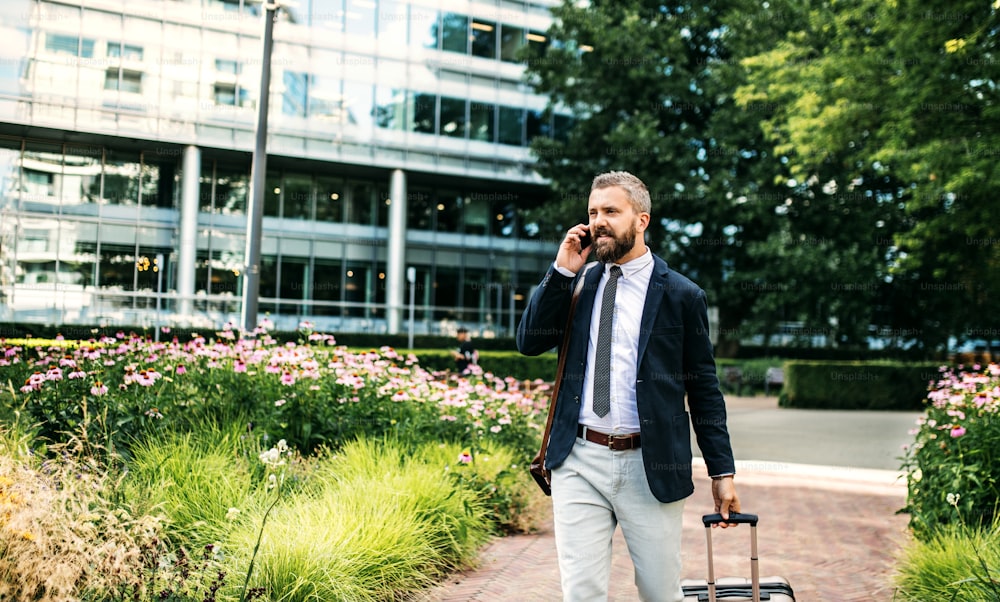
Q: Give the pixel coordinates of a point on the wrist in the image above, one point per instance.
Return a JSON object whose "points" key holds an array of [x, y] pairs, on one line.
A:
{"points": [[722, 476]]}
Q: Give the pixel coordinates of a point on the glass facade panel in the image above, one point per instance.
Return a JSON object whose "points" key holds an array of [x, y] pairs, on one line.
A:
{"points": [[329, 199], [117, 266], [360, 18], [298, 194], [392, 21], [358, 288], [294, 278], [122, 176], [453, 120], [390, 108], [477, 215], [511, 130], [420, 209], [272, 194], [41, 177], [424, 27], [511, 41], [327, 14], [327, 287], [268, 286], [359, 107], [454, 35], [484, 39], [447, 292], [360, 203], [450, 206], [482, 116], [424, 108], [295, 93]]}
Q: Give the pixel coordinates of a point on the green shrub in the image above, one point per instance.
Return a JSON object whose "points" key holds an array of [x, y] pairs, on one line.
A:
{"points": [[958, 564], [380, 523], [953, 467], [856, 385]]}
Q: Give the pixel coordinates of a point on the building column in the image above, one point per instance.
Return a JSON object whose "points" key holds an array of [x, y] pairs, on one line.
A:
{"points": [[187, 251], [395, 273]]}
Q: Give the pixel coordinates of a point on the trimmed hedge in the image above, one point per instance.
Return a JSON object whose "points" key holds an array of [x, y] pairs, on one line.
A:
{"points": [[857, 385], [500, 363]]}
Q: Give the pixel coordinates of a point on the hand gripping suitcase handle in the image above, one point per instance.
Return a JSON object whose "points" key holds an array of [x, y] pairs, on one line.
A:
{"points": [[737, 518], [734, 518]]}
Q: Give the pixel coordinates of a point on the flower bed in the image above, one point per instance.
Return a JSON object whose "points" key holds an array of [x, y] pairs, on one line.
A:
{"points": [[276, 463]]}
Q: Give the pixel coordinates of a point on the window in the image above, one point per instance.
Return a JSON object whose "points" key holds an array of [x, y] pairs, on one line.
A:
{"points": [[71, 45], [453, 122], [484, 39], [511, 126], [511, 40], [225, 94], [390, 108], [129, 81], [128, 52], [423, 113], [481, 116], [455, 33], [227, 66], [295, 97]]}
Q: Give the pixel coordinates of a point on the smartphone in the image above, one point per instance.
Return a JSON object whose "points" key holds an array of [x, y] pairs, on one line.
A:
{"points": [[585, 241]]}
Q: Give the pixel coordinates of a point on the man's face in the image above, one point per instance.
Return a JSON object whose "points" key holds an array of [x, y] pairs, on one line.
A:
{"points": [[614, 224]]}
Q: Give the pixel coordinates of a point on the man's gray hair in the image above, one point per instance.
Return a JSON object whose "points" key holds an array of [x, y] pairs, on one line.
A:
{"points": [[633, 187]]}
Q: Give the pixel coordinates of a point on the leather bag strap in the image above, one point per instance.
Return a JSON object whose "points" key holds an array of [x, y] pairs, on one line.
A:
{"points": [[563, 351]]}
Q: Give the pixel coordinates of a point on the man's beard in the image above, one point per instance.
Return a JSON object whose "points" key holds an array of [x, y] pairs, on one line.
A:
{"points": [[618, 247]]}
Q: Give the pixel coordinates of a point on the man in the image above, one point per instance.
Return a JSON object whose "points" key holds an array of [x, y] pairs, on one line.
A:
{"points": [[466, 355], [620, 450]]}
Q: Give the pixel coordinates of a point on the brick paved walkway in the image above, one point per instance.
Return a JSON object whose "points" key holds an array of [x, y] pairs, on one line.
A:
{"points": [[832, 533]]}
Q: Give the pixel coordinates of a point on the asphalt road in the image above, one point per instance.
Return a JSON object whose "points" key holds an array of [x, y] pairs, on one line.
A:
{"points": [[770, 436]]}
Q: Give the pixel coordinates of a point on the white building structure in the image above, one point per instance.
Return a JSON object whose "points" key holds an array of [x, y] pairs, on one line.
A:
{"points": [[126, 138]]}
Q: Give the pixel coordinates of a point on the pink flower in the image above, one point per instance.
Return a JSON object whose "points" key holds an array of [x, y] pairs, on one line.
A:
{"points": [[465, 457], [180, 369], [239, 366], [98, 389], [957, 431], [76, 374], [288, 378]]}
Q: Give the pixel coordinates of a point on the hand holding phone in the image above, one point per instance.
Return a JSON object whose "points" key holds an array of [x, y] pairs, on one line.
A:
{"points": [[585, 241]]}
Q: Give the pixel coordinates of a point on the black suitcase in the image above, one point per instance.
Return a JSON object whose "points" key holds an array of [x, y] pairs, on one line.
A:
{"points": [[734, 589]]}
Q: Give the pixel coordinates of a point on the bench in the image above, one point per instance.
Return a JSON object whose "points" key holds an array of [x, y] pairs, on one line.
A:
{"points": [[732, 376], [773, 376]]}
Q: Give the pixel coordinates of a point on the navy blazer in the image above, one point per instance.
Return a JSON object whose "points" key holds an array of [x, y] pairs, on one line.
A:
{"points": [[675, 357]]}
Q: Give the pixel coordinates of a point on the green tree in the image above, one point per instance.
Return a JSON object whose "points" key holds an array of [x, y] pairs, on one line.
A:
{"points": [[899, 99], [650, 87]]}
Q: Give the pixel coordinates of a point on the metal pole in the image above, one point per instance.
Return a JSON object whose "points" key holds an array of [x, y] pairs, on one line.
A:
{"points": [[159, 293], [411, 277], [258, 170]]}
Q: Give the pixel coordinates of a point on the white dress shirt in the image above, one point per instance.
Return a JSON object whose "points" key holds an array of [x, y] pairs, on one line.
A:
{"points": [[630, 298]]}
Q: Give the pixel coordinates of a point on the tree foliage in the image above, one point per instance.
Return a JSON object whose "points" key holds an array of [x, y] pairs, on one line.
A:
{"points": [[824, 165]]}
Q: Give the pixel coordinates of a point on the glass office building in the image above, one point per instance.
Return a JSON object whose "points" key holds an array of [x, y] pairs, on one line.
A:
{"points": [[398, 146]]}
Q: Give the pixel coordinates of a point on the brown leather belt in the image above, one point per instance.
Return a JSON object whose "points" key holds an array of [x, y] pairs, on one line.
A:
{"points": [[613, 442]]}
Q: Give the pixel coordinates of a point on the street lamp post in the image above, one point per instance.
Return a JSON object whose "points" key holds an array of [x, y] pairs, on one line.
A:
{"points": [[258, 169]]}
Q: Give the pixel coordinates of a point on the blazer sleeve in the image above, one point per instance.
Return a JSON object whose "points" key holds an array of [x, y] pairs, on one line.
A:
{"points": [[544, 319], [705, 400]]}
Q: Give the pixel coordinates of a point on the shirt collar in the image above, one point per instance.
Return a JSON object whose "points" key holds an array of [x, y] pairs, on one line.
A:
{"points": [[631, 267]]}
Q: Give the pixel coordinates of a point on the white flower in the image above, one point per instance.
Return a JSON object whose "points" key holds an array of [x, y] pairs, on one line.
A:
{"points": [[953, 499], [232, 514]]}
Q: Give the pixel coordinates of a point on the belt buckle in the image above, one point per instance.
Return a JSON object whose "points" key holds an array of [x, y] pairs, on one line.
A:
{"points": [[613, 438]]}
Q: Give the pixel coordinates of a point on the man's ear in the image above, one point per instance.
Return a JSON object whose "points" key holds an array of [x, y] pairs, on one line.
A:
{"points": [[643, 222]]}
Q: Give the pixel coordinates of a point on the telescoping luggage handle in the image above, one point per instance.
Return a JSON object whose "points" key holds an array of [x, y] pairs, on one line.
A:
{"points": [[738, 518]]}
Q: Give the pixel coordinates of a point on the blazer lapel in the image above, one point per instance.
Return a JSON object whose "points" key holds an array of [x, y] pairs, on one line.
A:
{"points": [[585, 304], [654, 298]]}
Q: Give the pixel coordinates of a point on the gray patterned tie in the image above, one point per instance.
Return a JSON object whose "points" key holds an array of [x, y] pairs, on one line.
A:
{"points": [[602, 362]]}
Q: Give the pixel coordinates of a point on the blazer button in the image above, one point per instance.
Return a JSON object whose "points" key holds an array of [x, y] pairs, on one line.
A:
{"points": [[576, 398]]}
